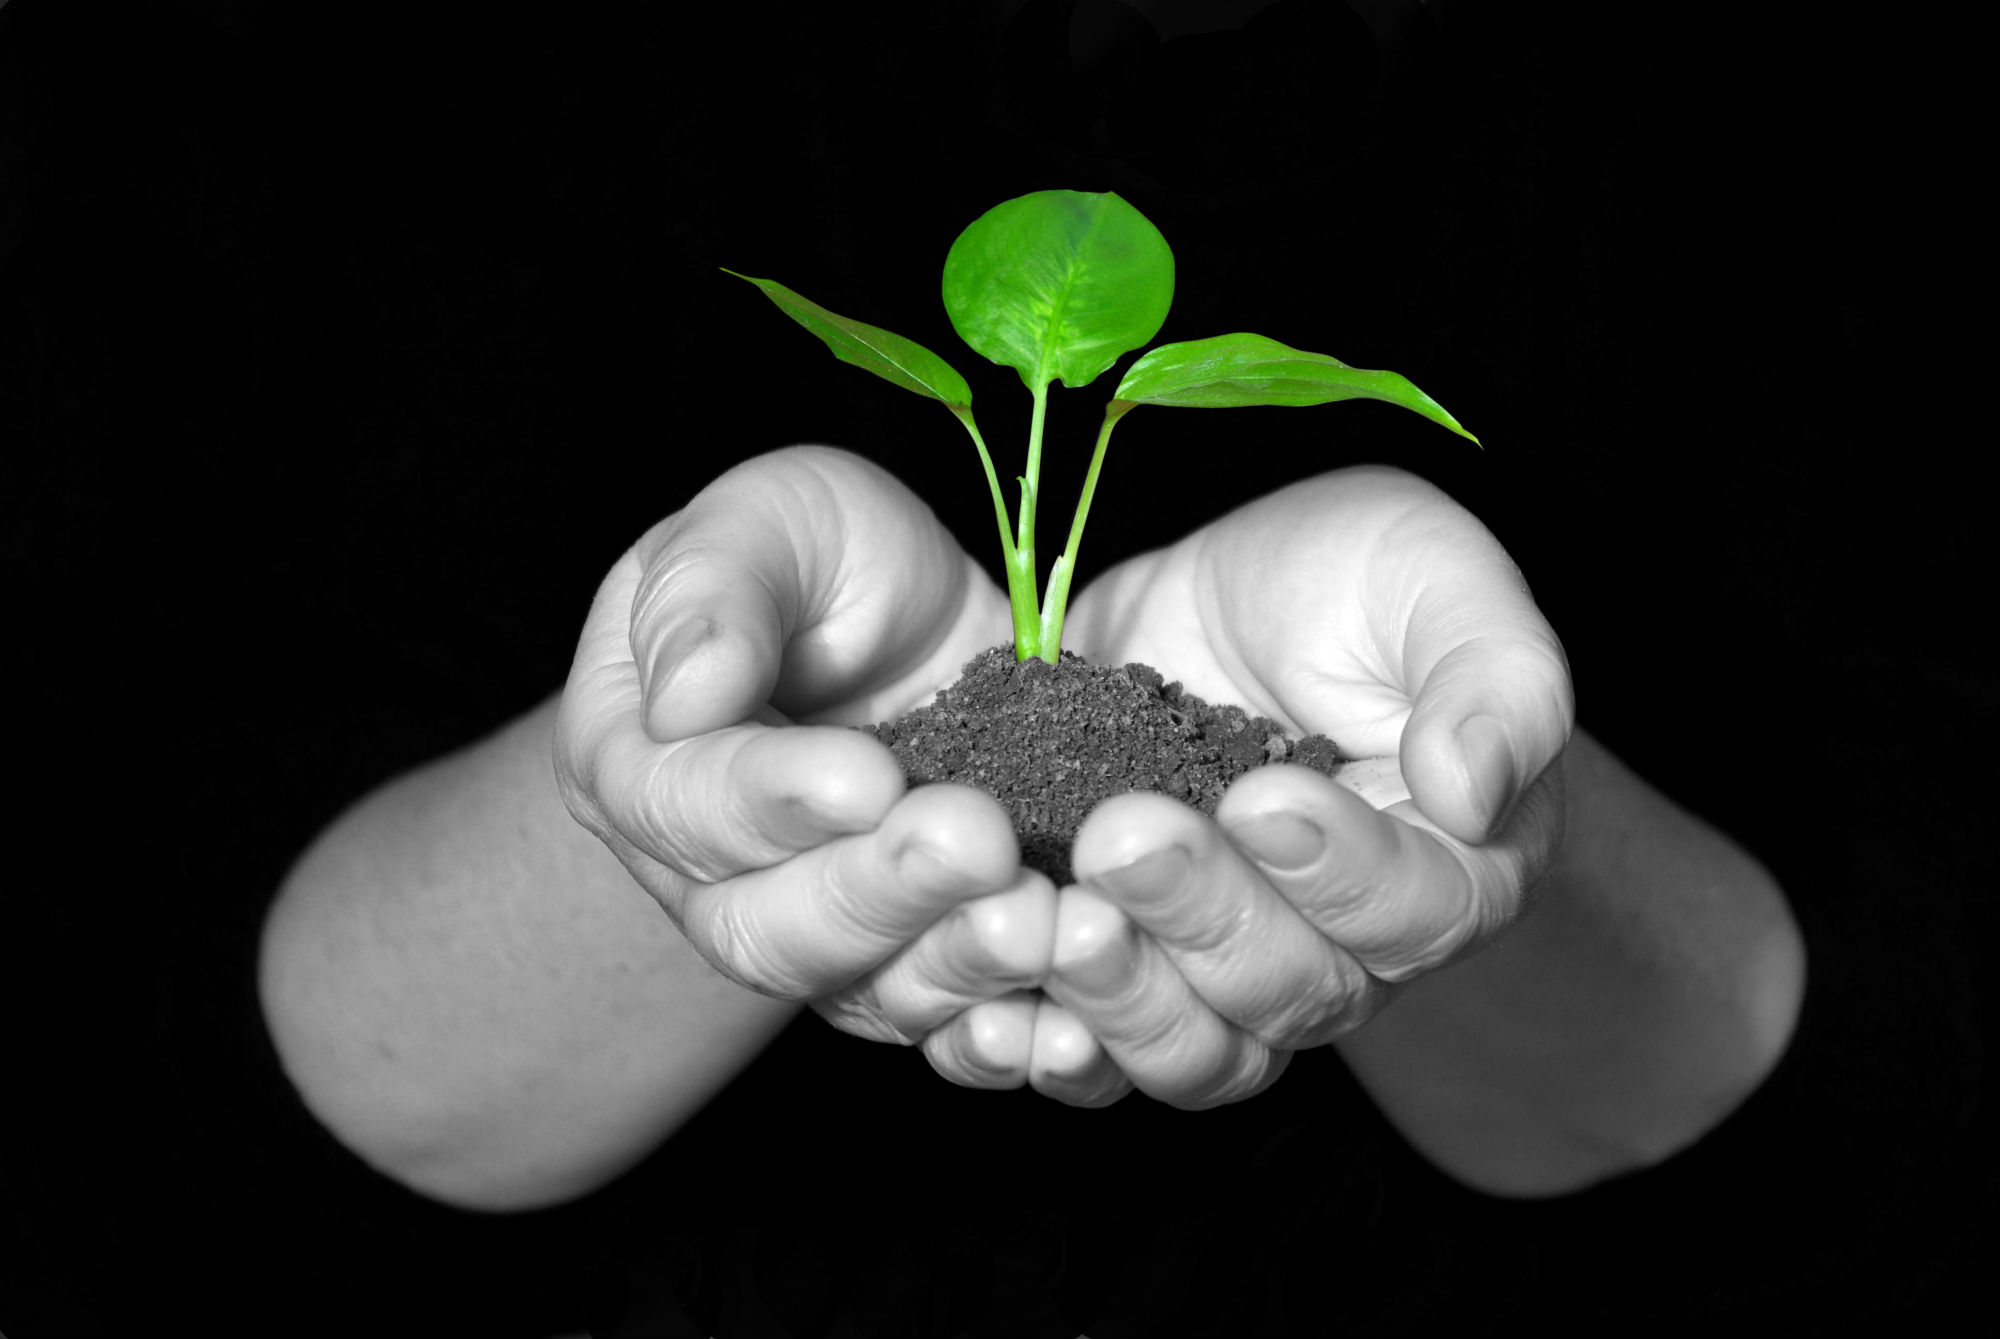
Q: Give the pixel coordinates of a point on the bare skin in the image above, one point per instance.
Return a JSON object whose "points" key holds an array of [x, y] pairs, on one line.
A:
{"points": [[504, 1006]]}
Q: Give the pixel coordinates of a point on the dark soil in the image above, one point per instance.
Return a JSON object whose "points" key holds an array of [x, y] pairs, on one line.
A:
{"points": [[1050, 741]]}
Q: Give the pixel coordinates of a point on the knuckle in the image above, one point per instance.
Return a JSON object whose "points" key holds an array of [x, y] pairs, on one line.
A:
{"points": [[581, 738], [1211, 927], [581, 801], [1457, 929], [1409, 920], [918, 990], [1542, 657], [673, 554], [1244, 1068], [739, 819], [1312, 1017], [893, 883], [1146, 1029], [680, 822], [1346, 900], [1370, 924], [1401, 963], [859, 1014], [855, 899], [720, 931], [1343, 1007]]}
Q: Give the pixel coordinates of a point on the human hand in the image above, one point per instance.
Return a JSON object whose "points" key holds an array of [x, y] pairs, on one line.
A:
{"points": [[1197, 955], [808, 586]]}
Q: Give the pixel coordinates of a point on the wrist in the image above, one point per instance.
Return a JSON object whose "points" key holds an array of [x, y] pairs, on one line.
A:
{"points": [[469, 991], [1650, 989]]}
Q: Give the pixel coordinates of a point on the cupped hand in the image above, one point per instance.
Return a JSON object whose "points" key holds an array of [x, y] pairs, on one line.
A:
{"points": [[701, 738], [1196, 955]]}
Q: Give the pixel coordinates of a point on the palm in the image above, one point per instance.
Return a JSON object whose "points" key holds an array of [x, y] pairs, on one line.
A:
{"points": [[1366, 606], [849, 604], [1297, 607]]}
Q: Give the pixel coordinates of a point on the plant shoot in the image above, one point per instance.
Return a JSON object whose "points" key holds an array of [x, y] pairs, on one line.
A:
{"points": [[1059, 285]]}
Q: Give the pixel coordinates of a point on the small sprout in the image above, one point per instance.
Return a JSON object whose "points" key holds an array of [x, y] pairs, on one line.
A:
{"points": [[1059, 285]]}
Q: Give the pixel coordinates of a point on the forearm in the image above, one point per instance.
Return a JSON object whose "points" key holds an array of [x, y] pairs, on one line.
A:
{"points": [[471, 992], [1653, 986]]}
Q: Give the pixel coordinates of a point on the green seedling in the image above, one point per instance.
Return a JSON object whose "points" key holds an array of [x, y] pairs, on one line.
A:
{"points": [[1058, 285]]}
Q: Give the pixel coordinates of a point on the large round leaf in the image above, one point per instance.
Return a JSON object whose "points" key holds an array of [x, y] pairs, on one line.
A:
{"points": [[1058, 284]]}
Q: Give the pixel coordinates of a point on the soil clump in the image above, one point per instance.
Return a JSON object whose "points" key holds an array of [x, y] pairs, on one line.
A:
{"points": [[1050, 741]]}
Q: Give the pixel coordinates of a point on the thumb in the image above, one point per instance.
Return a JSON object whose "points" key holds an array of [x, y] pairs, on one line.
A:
{"points": [[698, 674], [809, 574], [1493, 703], [719, 591]]}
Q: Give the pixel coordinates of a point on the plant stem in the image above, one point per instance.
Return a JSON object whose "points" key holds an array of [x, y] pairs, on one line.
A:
{"points": [[1020, 568], [1031, 480], [1059, 576]]}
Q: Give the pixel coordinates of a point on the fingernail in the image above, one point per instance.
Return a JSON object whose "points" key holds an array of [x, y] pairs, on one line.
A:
{"points": [[1062, 1048], [1148, 878], [975, 1056], [1490, 767], [983, 1065], [920, 865], [1107, 967], [672, 653], [1280, 840], [985, 1038], [1011, 934]]}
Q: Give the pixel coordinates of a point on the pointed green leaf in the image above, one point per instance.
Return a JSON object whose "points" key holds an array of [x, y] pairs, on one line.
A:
{"points": [[1058, 284], [1233, 370], [889, 356]]}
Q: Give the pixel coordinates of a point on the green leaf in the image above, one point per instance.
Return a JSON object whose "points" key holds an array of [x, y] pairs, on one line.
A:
{"points": [[1058, 284], [889, 356], [1229, 371]]}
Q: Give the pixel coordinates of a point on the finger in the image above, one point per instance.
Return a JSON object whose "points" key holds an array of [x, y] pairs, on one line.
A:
{"points": [[723, 803], [1390, 887], [1066, 1061], [1390, 619], [1492, 700], [819, 921], [721, 587], [1126, 991], [706, 813], [975, 952], [803, 577], [1241, 947], [990, 1045]]}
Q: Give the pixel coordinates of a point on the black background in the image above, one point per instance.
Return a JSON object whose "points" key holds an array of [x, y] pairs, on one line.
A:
{"points": [[344, 350]]}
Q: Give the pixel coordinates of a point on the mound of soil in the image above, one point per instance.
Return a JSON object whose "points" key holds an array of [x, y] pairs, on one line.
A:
{"points": [[1050, 741]]}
